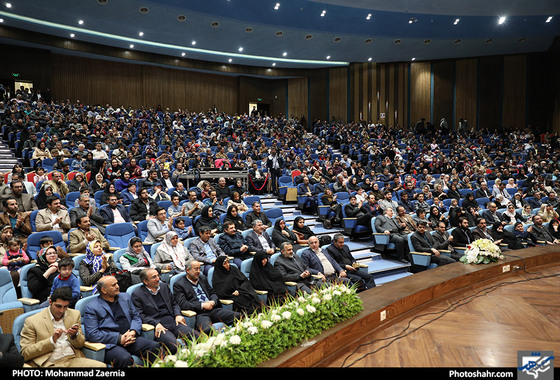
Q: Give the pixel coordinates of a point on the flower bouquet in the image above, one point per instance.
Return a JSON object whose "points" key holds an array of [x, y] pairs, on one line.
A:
{"points": [[265, 335], [482, 251]]}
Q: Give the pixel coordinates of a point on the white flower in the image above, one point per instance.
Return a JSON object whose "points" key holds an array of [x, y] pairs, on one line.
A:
{"points": [[235, 340], [301, 299], [315, 300], [300, 311], [275, 318], [252, 330], [170, 358], [310, 309], [266, 324], [286, 315], [181, 364], [327, 297], [337, 293]]}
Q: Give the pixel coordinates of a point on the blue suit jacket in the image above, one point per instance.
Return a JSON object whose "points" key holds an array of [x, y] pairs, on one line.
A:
{"points": [[109, 218], [99, 322]]}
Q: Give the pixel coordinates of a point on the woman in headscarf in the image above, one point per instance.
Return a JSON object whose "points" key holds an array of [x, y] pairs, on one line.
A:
{"points": [[303, 232], [281, 233], [172, 253], [96, 265], [499, 233], [229, 283], [78, 182], [233, 216], [264, 276], [45, 191], [135, 259], [207, 218], [40, 278], [470, 202], [236, 201], [510, 216]]}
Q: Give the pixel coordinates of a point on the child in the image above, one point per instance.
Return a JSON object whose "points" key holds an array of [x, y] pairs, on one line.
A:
{"points": [[183, 232], [14, 259], [67, 278], [47, 241], [40, 175]]}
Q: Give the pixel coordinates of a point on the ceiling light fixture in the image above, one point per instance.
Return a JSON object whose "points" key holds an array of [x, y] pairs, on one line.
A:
{"points": [[501, 20], [328, 57], [549, 19], [230, 60], [8, 5], [323, 13], [284, 53], [193, 43], [131, 46], [413, 59], [368, 16], [177, 48], [240, 49], [273, 64], [456, 21], [72, 35], [183, 54], [277, 6], [81, 22], [140, 34]]}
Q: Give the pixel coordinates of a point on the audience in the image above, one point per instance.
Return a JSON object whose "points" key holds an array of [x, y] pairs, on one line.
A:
{"points": [[403, 179]]}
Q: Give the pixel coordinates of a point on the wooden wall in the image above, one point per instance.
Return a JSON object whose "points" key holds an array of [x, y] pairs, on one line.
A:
{"points": [[511, 91]]}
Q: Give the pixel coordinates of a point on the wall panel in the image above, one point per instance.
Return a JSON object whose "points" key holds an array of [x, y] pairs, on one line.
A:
{"points": [[514, 91], [443, 82], [297, 97], [420, 96], [338, 93], [490, 77], [465, 91]]}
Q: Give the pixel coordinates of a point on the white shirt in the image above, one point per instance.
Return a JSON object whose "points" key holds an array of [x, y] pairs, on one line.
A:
{"points": [[62, 347]]}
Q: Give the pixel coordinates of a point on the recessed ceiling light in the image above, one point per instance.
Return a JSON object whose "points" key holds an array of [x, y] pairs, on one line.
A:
{"points": [[230, 60], [323, 13], [457, 41], [368, 16], [131, 46], [240, 49], [413, 59], [72, 35], [183, 54], [193, 43], [456, 21], [549, 19], [215, 24], [308, 36], [140, 34], [1, 20], [328, 57], [273, 64], [81, 22], [285, 53], [144, 10], [368, 40], [8, 5], [370, 59], [501, 20], [277, 6], [427, 42], [181, 18], [279, 33], [249, 29], [337, 39]]}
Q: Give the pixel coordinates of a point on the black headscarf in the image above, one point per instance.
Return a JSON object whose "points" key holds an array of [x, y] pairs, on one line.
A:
{"points": [[225, 282], [266, 277]]}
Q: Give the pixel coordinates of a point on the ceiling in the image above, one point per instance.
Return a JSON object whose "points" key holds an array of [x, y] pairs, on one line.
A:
{"points": [[298, 33]]}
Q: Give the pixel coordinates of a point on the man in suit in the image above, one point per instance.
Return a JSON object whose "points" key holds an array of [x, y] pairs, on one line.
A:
{"points": [[540, 232], [340, 252], [86, 209], [205, 249], [462, 235], [256, 179], [483, 192], [444, 241], [258, 239], [114, 212], [143, 207], [320, 263], [256, 213], [292, 269], [53, 218], [387, 225], [406, 222], [9, 353], [112, 319], [423, 241], [193, 292], [156, 305], [274, 164], [490, 214], [13, 217], [158, 227], [53, 337], [356, 209], [233, 244], [79, 237], [26, 202], [59, 186], [167, 182]]}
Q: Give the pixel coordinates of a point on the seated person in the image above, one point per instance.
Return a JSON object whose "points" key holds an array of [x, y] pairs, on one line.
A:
{"points": [[320, 263], [264, 276], [257, 213], [81, 236], [59, 343], [156, 305], [233, 244], [204, 249], [258, 239], [112, 319], [292, 269], [66, 278], [340, 252], [193, 292], [423, 241]]}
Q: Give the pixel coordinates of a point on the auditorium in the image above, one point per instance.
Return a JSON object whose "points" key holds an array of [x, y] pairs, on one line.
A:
{"points": [[294, 184]]}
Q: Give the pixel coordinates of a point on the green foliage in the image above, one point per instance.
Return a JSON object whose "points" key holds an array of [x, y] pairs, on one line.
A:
{"points": [[267, 334]]}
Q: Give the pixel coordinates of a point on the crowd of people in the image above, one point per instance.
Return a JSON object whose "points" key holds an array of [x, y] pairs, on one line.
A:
{"points": [[428, 184]]}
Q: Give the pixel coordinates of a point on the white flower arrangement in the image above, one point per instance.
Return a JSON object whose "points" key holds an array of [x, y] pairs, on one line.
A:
{"points": [[482, 251], [265, 335]]}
